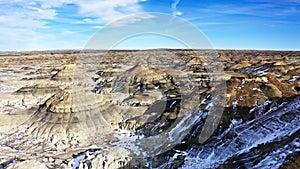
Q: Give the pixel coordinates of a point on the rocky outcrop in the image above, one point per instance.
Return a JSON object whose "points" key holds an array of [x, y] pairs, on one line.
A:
{"points": [[96, 110]]}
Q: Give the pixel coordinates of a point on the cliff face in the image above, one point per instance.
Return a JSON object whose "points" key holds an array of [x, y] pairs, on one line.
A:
{"points": [[68, 109]]}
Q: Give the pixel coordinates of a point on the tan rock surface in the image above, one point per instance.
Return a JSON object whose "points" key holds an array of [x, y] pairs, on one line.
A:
{"points": [[45, 112], [30, 163]]}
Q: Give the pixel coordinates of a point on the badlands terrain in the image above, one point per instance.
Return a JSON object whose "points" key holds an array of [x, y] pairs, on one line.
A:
{"points": [[150, 109]]}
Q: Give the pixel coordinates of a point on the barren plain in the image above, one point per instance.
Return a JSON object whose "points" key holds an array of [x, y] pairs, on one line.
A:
{"points": [[96, 109]]}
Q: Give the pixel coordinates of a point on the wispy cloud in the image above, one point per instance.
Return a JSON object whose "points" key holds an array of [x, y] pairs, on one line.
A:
{"points": [[22, 21], [131, 19], [214, 23], [248, 11], [86, 21], [97, 27], [263, 8], [68, 33], [174, 8], [107, 10]]}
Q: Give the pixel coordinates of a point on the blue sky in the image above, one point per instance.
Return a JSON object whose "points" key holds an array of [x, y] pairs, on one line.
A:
{"points": [[228, 24]]}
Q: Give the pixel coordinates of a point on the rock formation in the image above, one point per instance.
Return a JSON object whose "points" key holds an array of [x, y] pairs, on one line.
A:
{"points": [[146, 109]]}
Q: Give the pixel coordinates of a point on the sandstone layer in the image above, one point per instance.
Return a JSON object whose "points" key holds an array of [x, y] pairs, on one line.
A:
{"points": [[97, 109]]}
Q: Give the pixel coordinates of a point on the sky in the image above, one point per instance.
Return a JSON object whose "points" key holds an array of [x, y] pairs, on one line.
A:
{"points": [[227, 24]]}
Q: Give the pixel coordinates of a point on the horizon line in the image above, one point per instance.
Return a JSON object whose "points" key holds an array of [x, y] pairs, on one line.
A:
{"points": [[145, 49]]}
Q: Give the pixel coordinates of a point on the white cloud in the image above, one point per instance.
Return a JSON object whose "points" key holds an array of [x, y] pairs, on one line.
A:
{"points": [[174, 8], [86, 21], [68, 33], [131, 19], [178, 13], [107, 10], [97, 27], [40, 13], [21, 21], [53, 3]]}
